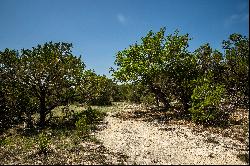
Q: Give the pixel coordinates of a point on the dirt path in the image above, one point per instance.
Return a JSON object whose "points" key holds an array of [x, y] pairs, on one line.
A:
{"points": [[151, 143]]}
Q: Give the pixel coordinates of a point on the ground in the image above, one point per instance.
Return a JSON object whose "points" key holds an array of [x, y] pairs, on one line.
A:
{"points": [[132, 134], [153, 141]]}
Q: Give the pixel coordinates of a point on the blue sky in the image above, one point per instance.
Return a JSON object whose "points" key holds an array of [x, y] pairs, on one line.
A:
{"points": [[99, 29]]}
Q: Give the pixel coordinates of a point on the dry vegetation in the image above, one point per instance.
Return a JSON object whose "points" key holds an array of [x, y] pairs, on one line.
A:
{"points": [[63, 144], [130, 134]]}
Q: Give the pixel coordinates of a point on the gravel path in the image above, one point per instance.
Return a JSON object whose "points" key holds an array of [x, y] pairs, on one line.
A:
{"points": [[151, 143]]}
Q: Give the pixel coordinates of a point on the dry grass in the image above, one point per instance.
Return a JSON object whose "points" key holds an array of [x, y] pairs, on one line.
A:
{"points": [[65, 145]]}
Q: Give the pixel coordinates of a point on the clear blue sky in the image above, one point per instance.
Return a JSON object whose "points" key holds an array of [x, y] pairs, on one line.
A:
{"points": [[100, 28]]}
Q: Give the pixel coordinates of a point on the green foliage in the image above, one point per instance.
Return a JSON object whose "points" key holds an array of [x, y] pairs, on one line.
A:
{"points": [[136, 93], [4, 141], [43, 141], [158, 69], [237, 66], [37, 80], [92, 115], [144, 63], [50, 72], [133, 92], [96, 89], [85, 121], [160, 63], [10, 91], [206, 103], [148, 99], [82, 125], [163, 66], [210, 61]]}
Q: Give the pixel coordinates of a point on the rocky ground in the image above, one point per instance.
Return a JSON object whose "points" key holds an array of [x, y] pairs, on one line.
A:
{"points": [[146, 141]]}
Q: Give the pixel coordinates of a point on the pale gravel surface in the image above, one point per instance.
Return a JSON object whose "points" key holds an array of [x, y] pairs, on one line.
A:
{"points": [[153, 143]]}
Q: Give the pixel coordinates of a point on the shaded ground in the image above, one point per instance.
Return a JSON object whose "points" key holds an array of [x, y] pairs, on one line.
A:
{"points": [[86, 152], [65, 145]]}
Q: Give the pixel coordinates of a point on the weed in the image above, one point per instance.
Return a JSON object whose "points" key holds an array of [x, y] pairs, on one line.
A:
{"points": [[82, 125], [43, 141], [4, 141]]}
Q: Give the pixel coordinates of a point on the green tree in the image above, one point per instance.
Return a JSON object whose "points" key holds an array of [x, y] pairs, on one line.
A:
{"points": [[210, 61], [96, 89], [50, 73], [161, 63], [132, 92], [141, 63], [237, 64], [9, 90], [180, 68]]}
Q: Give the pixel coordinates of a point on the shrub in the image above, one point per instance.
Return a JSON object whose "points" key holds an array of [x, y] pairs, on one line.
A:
{"points": [[82, 125], [206, 104], [96, 89], [85, 120]]}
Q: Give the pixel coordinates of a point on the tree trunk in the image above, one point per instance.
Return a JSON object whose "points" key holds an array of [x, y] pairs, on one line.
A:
{"points": [[185, 101], [185, 105], [42, 109], [160, 95], [163, 99], [29, 121], [157, 101]]}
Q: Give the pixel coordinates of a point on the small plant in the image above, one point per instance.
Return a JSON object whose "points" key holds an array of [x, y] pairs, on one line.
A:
{"points": [[43, 141], [82, 125], [85, 121], [28, 143], [4, 141], [91, 115]]}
